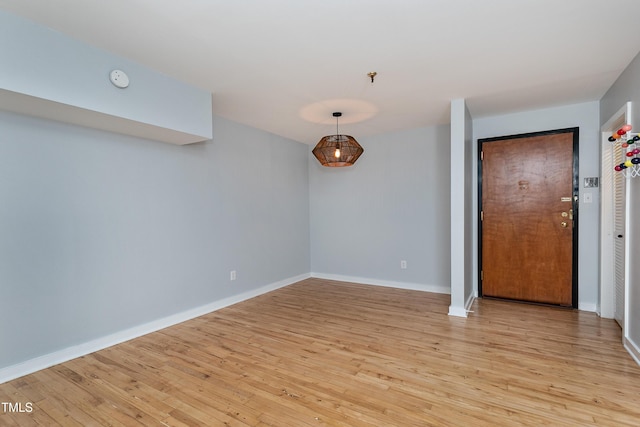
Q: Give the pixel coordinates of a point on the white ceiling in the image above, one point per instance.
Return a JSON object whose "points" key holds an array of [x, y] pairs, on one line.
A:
{"points": [[285, 65]]}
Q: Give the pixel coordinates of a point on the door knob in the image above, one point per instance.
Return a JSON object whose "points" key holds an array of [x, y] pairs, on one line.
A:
{"points": [[563, 224]]}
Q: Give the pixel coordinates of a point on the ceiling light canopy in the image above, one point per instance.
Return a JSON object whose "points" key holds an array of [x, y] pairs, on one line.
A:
{"points": [[337, 150]]}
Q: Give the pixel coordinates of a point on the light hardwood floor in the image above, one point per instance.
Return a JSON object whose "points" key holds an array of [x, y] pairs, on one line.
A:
{"points": [[322, 353]]}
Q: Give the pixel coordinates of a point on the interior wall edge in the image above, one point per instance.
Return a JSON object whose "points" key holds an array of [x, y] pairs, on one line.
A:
{"points": [[45, 361]]}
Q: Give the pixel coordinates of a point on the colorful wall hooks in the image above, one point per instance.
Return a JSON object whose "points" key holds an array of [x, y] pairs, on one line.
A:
{"points": [[631, 144]]}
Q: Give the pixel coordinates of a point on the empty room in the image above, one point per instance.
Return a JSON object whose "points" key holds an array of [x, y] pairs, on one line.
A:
{"points": [[338, 213]]}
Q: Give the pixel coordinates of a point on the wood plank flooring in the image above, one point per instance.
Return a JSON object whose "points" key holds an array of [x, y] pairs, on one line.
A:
{"points": [[323, 353]]}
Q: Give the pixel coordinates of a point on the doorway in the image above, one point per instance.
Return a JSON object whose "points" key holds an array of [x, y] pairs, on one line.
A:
{"points": [[528, 219]]}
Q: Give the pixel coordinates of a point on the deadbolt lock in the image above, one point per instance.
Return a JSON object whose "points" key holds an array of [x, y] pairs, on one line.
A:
{"points": [[567, 214]]}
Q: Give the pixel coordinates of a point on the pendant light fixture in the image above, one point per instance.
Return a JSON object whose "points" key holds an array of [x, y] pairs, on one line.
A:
{"points": [[337, 150]]}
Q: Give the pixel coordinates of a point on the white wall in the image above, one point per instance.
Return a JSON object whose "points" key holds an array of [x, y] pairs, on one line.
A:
{"points": [[462, 217], [102, 232], [392, 205], [627, 88], [585, 116], [470, 211]]}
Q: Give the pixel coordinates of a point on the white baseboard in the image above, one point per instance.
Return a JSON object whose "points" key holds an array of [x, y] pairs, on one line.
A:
{"points": [[598, 310], [582, 306], [438, 289], [457, 311], [27, 367], [469, 303], [462, 312], [633, 349]]}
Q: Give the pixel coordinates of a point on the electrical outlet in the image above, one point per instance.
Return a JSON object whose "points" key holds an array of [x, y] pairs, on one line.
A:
{"points": [[403, 264], [233, 275]]}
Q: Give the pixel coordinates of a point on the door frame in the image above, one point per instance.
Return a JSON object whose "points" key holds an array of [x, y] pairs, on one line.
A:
{"points": [[574, 202], [607, 282]]}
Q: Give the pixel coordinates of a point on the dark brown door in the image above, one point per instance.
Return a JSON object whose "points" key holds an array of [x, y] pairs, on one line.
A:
{"points": [[528, 217]]}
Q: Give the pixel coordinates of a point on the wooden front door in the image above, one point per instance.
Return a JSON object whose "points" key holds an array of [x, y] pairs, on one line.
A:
{"points": [[529, 217]]}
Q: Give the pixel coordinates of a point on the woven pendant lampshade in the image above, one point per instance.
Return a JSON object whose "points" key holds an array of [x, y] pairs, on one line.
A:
{"points": [[337, 150]]}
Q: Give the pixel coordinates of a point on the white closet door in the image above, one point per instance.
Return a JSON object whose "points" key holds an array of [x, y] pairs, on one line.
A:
{"points": [[619, 229]]}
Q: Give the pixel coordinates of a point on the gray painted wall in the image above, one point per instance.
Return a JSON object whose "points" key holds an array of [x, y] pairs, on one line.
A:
{"points": [[102, 232], [49, 65], [392, 205], [625, 89], [585, 116]]}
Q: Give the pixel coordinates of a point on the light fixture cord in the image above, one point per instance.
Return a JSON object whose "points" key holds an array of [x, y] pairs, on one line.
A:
{"points": [[337, 134]]}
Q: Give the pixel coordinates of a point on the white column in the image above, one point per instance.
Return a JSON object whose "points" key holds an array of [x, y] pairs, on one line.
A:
{"points": [[458, 267]]}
